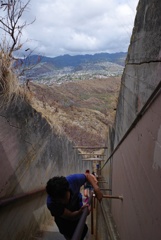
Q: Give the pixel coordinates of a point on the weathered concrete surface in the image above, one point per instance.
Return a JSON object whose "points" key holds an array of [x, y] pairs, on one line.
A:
{"points": [[145, 40], [136, 164], [30, 154], [137, 176], [143, 65]]}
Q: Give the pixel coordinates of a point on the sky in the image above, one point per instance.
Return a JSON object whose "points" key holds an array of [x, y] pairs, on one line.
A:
{"points": [[78, 26]]}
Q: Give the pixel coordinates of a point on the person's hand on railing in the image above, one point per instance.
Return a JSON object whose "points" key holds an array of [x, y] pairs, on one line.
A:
{"points": [[99, 194], [86, 206]]}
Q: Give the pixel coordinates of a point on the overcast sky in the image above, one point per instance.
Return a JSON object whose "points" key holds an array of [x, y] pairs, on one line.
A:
{"points": [[79, 26]]}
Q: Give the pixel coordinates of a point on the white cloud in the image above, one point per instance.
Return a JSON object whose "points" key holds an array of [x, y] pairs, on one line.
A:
{"points": [[76, 27]]}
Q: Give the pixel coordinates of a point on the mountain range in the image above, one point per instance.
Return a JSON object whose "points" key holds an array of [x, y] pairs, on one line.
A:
{"points": [[66, 67], [74, 61]]}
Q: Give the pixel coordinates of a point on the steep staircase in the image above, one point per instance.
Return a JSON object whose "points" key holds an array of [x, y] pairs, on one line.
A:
{"points": [[48, 232]]}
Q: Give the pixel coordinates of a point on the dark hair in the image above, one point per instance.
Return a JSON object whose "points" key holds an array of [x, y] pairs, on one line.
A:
{"points": [[57, 187], [87, 171]]}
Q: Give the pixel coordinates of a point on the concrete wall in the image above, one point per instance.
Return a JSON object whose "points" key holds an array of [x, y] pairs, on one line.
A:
{"points": [[30, 154], [137, 175], [143, 66], [136, 165]]}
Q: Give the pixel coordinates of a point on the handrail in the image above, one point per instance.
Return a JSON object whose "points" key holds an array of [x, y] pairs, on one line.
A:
{"points": [[139, 116], [92, 222], [79, 229], [106, 189], [113, 197], [6, 201], [91, 147]]}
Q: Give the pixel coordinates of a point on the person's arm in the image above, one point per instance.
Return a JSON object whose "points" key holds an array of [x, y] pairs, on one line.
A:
{"points": [[97, 190], [95, 179], [67, 214]]}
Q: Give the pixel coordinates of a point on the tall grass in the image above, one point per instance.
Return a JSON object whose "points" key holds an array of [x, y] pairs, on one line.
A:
{"points": [[9, 84]]}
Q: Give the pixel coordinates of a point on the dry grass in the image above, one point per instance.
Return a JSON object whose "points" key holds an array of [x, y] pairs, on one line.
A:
{"points": [[9, 86], [10, 90], [80, 110]]}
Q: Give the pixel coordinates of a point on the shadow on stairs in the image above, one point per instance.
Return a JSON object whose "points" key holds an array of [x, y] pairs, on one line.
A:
{"points": [[51, 232]]}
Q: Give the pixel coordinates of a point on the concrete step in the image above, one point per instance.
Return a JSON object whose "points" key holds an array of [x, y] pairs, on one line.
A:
{"points": [[51, 232]]}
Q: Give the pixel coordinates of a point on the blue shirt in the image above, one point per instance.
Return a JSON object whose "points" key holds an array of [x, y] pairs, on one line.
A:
{"points": [[57, 208]]}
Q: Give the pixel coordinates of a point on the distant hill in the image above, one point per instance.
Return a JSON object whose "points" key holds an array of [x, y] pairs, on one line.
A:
{"points": [[74, 61], [68, 68]]}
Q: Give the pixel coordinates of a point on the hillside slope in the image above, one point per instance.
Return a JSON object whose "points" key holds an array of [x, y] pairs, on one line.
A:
{"points": [[82, 110]]}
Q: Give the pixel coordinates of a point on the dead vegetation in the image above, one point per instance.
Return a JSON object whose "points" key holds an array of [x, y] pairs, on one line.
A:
{"points": [[82, 110], [11, 26], [9, 86]]}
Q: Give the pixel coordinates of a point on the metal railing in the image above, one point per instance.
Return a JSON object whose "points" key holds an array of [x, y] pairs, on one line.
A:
{"points": [[79, 229], [7, 201]]}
